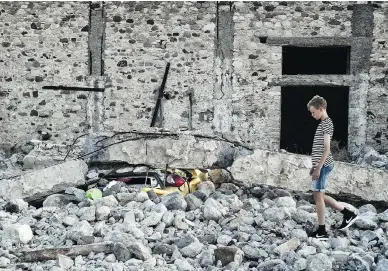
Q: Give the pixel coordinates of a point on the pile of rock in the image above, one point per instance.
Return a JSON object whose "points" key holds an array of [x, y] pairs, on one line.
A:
{"points": [[370, 157], [227, 228]]}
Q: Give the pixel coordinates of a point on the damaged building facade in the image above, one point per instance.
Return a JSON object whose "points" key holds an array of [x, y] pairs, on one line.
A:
{"points": [[75, 73]]}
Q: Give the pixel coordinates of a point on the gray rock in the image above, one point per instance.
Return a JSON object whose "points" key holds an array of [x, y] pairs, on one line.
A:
{"points": [[141, 197], [4, 262], [367, 208], [225, 254], [212, 210], [16, 233], [300, 234], [79, 230], [300, 264], [121, 252], [193, 202], [139, 251], [192, 250], [383, 216], [16, 206], [366, 221], [339, 243], [301, 216], [124, 198], [206, 187], [113, 188], [368, 236], [382, 265], [219, 176], [355, 262], [274, 214], [340, 257], [59, 200], [318, 262], [109, 201], [180, 221], [153, 196], [183, 265], [168, 218], [253, 253], [201, 195], [290, 245], [306, 251], [285, 202], [251, 204], [87, 213], [206, 258], [186, 240], [64, 262], [111, 258], [272, 265], [224, 240], [102, 213], [129, 217], [70, 220], [174, 201], [164, 249], [282, 193], [225, 187], [208, 238], [152, 219], [78, 193]]}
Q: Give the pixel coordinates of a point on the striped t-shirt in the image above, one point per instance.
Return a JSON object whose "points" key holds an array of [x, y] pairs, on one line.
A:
{"points": [[324, 127]]}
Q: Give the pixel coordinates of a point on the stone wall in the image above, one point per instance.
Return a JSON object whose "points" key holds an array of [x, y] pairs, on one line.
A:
{"points": [[377, 133], [225, 76], [42, 44], [258, 62], [141, 37]]}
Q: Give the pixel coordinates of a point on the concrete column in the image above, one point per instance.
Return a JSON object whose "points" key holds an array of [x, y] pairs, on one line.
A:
{"points": [[361, 48]]}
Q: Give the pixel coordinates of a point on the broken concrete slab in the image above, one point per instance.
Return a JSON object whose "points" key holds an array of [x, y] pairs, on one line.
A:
{"points": [[292, 171], [37, 162], [180, 150], [39, 183]]}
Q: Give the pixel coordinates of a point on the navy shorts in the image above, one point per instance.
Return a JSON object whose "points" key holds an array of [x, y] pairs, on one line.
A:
{"points": [[320, 184]]}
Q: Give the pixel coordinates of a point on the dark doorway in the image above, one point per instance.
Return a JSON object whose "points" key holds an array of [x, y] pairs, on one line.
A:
{"points": [[297, 124], [316, 60]]}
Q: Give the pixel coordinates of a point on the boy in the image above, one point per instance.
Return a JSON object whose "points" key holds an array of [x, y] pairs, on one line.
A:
{"points": [[323, 164]]}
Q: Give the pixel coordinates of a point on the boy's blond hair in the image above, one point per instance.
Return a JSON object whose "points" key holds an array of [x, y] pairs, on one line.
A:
{"points": [[318, 102]]}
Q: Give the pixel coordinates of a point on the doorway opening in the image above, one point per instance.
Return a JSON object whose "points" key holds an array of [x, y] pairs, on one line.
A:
{"points": [[298, 126]]}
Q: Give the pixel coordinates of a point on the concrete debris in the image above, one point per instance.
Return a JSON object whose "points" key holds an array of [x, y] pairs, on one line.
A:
{"points": [[32, 185], [261, 233]]}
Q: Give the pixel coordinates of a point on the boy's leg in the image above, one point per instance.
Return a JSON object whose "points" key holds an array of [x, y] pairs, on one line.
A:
{"points": [[319, 189], [320, 203], [333, 203]]}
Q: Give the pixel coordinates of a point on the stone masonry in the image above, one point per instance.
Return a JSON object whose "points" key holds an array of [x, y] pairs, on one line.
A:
{"points": [[225, 75], [224, 82]]}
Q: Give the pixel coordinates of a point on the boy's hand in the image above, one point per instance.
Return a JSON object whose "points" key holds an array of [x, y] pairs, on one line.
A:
{"points": [[311, 171], [316, 173]]}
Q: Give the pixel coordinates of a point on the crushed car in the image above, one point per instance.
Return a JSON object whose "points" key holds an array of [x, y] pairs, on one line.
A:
{"points": [[165, 181]]}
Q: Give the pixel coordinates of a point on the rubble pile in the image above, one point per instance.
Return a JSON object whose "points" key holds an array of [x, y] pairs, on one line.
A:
{"points": [[214, 228], [369, 157]]}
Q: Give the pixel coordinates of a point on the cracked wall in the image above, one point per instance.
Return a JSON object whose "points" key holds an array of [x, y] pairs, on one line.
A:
{"points": [[225, 77]]}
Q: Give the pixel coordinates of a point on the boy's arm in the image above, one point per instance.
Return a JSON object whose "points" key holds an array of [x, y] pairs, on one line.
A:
{"points": [[326, 150]]}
